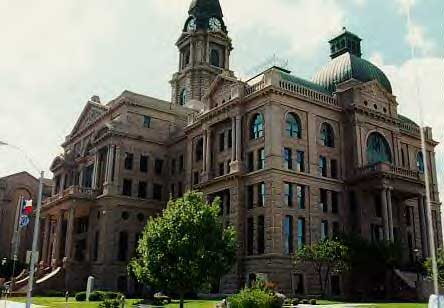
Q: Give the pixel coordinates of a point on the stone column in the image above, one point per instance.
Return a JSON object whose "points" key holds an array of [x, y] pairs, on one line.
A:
{"points": [[239, 138], [69, 233], [45, 245], [390, 215], [236, 160], [95, 171], [81, 174], [62, 183], [110, 164], [385, 217], [57, 240], [233, 139], [204, 150], [423, 227]]}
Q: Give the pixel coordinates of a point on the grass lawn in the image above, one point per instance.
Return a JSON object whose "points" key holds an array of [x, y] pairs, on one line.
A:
{"points": [[60, 302], [380, 305], [195, 304]]}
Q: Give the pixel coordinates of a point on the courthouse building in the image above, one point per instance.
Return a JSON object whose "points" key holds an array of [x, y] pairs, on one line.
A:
{"points": [[294, 160]]}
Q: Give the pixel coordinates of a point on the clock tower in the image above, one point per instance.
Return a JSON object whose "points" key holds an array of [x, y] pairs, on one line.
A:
{"points": [[204, 51]]}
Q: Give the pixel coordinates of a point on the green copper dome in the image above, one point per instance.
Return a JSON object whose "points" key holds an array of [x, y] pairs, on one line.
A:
{"points": [[349, 66]]}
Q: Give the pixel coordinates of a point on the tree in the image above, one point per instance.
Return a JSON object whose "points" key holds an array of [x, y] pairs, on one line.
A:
{"points": [[326, 256], [440, 263], [186, 247]]}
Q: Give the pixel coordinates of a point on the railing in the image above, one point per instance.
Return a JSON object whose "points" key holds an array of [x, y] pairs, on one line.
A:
{"points": [[409, 128], [74, 191], [303, 91], [389, 169], [255, 87]]}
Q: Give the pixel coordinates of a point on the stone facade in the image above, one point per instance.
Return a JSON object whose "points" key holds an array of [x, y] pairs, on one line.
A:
{"points": [[292, 161]]}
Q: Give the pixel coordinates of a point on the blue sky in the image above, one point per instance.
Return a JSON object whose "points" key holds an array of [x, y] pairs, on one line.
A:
{"points": [[57, 54]]}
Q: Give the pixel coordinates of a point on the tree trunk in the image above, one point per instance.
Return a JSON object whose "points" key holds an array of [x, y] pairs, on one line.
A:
{"points": [[321, 280], [181, 305]]}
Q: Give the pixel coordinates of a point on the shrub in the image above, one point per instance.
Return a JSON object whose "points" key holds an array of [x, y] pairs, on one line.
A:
{"points": [[53, 293], [295, 301], [96, 296], [253, 298], [81, 296], [313, 302], [305, 301], [110, 303]]}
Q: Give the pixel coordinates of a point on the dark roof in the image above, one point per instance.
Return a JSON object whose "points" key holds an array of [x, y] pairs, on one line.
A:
{"points": [[205, 9], [406, 120], [349, 66]]}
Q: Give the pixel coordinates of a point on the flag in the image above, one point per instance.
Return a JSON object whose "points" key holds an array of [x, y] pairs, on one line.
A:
{"points": [[24, 221], [27, 207]]}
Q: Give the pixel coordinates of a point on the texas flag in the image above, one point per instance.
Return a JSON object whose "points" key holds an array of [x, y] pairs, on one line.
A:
{"points": [[27, 207]]}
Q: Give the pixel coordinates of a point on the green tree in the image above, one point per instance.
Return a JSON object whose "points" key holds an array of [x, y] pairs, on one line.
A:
{"points": [[327, 256], [440, 263], [186, 247]]}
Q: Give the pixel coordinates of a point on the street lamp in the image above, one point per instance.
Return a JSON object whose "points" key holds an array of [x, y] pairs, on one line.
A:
{"points": [[36, 225]]}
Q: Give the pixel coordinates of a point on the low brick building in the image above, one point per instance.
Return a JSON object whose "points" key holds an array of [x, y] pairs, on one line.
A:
{"points": [[294, 161]]}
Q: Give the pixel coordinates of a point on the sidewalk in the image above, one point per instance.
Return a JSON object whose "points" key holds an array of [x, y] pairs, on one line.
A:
{"points": [[9, 304]]}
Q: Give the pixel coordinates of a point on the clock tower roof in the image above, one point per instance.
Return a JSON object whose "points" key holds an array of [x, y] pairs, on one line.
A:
{"points": [[205, 9]]}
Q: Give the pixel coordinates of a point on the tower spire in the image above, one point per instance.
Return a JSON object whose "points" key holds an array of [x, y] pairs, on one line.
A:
{"points": [[205, 9]]}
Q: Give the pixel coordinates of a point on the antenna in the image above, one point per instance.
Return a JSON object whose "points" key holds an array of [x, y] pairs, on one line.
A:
{"points": [[274, 60]]}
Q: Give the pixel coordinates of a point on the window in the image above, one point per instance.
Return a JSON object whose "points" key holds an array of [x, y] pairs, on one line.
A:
{"points": [[127, 187], [129, 157], [288, 234], [260, 235], [301, 232], [301, 196], [378, 205], [199, 150], [181, 163], [143, 164], [336, 229], [183, 97], [298, 284], [324, 230], [96, 246], [158, 164], [123, 246], [403, 157], [327, 135], [378, 149], [257, 126], [87, 178], [335, 285], [288, 163], [222, 142], [408, 216], [334, 168], [293, 126], [196, 178], [323, 203], [420, 162], [250, 161], [377, 233], [288, 194], [260, 159], [142, 190], [322, 166], [250, 196], [173, 190], [157, 192], [215, 58], [261, 194], [250, 235], [334, 202], [221, 169], [300, 163], [173, 166], [230, 139], [146, 121]]}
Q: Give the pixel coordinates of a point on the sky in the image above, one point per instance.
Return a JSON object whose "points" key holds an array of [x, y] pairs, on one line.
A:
{"points": [[55, 55]]}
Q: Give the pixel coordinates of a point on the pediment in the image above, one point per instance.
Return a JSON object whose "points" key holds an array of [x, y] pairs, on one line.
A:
{"points": [[373, 89], [220, 91], [89, 115]]}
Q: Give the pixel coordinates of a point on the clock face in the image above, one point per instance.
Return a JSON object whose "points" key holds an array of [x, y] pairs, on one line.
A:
{"points": [[191, 26], [214, 24]]}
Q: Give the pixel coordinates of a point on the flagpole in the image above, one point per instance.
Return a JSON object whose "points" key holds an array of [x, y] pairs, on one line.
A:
{"points": [[16, 238], [34, 243]]}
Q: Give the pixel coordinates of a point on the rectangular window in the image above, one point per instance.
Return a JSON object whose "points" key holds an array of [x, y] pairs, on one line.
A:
{"points": [[250, 235], [260, 235], [250, 161], [181, 163], [378, 205], [157, 192], [288, 163], [301, 232], [195, 178], [222, 142], [288, 234], [334, 202], [334, 168], [322, 166], [250, 196], [143, 164], [230, 138], [158, 165], [129, 157], [288, 194], [123, 246], [261, 159], [301, 196], [142, 190], [261, 194], [221, 169], [173, 167], [127, 187], [300, 161], [324, 230], [146, 121], [179, 189], [323, 200]]}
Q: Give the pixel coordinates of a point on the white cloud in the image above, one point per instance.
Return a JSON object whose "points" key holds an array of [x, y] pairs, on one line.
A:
{"points": [[405, 5]]}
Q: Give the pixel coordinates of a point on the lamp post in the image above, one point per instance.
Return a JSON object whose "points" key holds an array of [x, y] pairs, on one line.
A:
{"points": [[36, 225]]}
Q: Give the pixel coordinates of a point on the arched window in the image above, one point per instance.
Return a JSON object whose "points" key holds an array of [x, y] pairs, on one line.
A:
{"points": [[327, 135], [293, 126], [420, 162], [257, 126], [214, 58], [183, 97], [378, 149]]}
